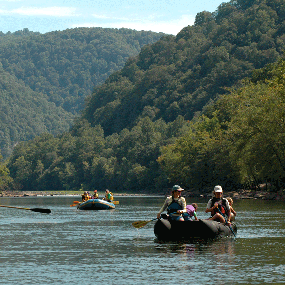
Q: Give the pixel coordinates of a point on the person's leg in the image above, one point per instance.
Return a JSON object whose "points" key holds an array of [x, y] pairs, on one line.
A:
{"points": [[214, 217], [221, 218], [232, 218], [218, 217]]}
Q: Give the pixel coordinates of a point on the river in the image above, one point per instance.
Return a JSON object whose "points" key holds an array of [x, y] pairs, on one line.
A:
{"points": [[70, 246]]}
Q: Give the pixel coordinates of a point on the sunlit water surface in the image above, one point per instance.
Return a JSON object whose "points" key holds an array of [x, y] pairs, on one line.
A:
{"points": [[70, 246]]}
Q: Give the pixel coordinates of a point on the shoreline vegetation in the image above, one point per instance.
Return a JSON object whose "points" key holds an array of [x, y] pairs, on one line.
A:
{"points": [[238, 194]]}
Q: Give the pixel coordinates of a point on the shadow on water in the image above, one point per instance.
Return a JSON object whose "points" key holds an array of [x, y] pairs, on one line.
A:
{"points": [[219, 246]]}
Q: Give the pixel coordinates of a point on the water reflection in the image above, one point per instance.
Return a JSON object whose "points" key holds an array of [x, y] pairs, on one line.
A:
{"points": [[70, 245], [217, 247]]}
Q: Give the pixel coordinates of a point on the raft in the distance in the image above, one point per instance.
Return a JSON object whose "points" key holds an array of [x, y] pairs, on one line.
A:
{"points": [[187, 230], [96, 204]]}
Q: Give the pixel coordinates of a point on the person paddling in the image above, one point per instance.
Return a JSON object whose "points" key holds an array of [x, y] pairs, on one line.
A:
{"points": [[175, 205], [218, 206], [108, 196]]}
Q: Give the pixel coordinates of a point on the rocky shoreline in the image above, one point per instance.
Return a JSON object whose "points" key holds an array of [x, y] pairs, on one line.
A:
{"points": [[57, 193], [244, 194], [239, 194]]}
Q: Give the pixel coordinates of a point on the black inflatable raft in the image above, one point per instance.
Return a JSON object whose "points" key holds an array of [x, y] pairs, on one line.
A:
{"points": [[187, 230]]}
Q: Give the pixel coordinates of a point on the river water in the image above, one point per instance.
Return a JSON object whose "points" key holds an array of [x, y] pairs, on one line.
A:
{"points": [[70, 246]]}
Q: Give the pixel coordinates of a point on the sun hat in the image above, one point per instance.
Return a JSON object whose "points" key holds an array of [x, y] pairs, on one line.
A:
{"points": [[218, 189], [177, 188]]}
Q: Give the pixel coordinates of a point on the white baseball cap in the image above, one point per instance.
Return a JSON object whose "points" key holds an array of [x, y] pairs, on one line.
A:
{"points": [[218, 189]]}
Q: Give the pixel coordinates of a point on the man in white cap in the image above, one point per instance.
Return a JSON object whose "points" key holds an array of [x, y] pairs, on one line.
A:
{"points": [[218, 206], [175, 204]]}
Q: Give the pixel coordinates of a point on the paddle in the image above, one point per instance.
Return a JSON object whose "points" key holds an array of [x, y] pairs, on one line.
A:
{"points": [[40, 210], [228, 223], [75, 203], [114, 202], [140, 224]]}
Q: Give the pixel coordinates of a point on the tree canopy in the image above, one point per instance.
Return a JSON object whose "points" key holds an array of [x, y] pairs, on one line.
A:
{"points": [[241, 139], [183, 74], [45, 78]]}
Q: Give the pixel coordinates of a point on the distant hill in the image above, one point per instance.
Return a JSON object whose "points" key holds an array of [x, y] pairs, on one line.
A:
{"points": [[183, 74], [53, 73]]}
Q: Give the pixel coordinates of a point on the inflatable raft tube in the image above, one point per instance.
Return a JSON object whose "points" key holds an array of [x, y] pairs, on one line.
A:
{"points": [[201, 229]]}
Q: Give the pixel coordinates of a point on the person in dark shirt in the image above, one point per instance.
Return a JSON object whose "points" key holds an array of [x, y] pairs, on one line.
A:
{"points": [[218, 206]]}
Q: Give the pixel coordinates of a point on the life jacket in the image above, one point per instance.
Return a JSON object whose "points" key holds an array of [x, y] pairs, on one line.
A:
{"points": [[85, 197], [221, 205], [109, 197], [174, 206], [95, 196]]}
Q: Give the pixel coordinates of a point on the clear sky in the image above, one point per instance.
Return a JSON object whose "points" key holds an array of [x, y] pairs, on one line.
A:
{"points": [[167, 16]]}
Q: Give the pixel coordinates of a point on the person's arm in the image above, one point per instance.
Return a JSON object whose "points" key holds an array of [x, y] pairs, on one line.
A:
{"points": [[183, 201], [233, 211], [209, 208], [228, 208], [195, 216], [165, 205]]}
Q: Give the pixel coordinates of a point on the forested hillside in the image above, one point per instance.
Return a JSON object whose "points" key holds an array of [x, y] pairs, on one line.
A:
{"points": [[239, 141], [54, 73], [24, 114], [181, 75], [178, 112]]}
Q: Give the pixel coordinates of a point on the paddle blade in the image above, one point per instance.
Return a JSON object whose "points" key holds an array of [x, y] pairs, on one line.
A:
{"points": [[115, 202], [46, 211], [140, 224], [76, 202]]}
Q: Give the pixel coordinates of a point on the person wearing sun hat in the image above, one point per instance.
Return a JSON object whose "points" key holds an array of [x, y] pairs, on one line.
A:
{"points": [[218, 205], [175, 204]]}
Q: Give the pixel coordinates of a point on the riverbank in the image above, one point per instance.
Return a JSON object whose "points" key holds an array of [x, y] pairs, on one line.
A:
{"points": [[243, 194], [239, 194], [60, 193]]}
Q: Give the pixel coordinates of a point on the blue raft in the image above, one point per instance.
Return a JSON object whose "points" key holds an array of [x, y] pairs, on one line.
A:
{"points": [[188, 230], [95, 204]]}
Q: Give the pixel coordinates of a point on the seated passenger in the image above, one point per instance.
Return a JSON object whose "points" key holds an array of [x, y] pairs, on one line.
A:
{"points": [[218, 206], [175, 205], [95, 195], [85, 196], [191, 212], [233, 212]]}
